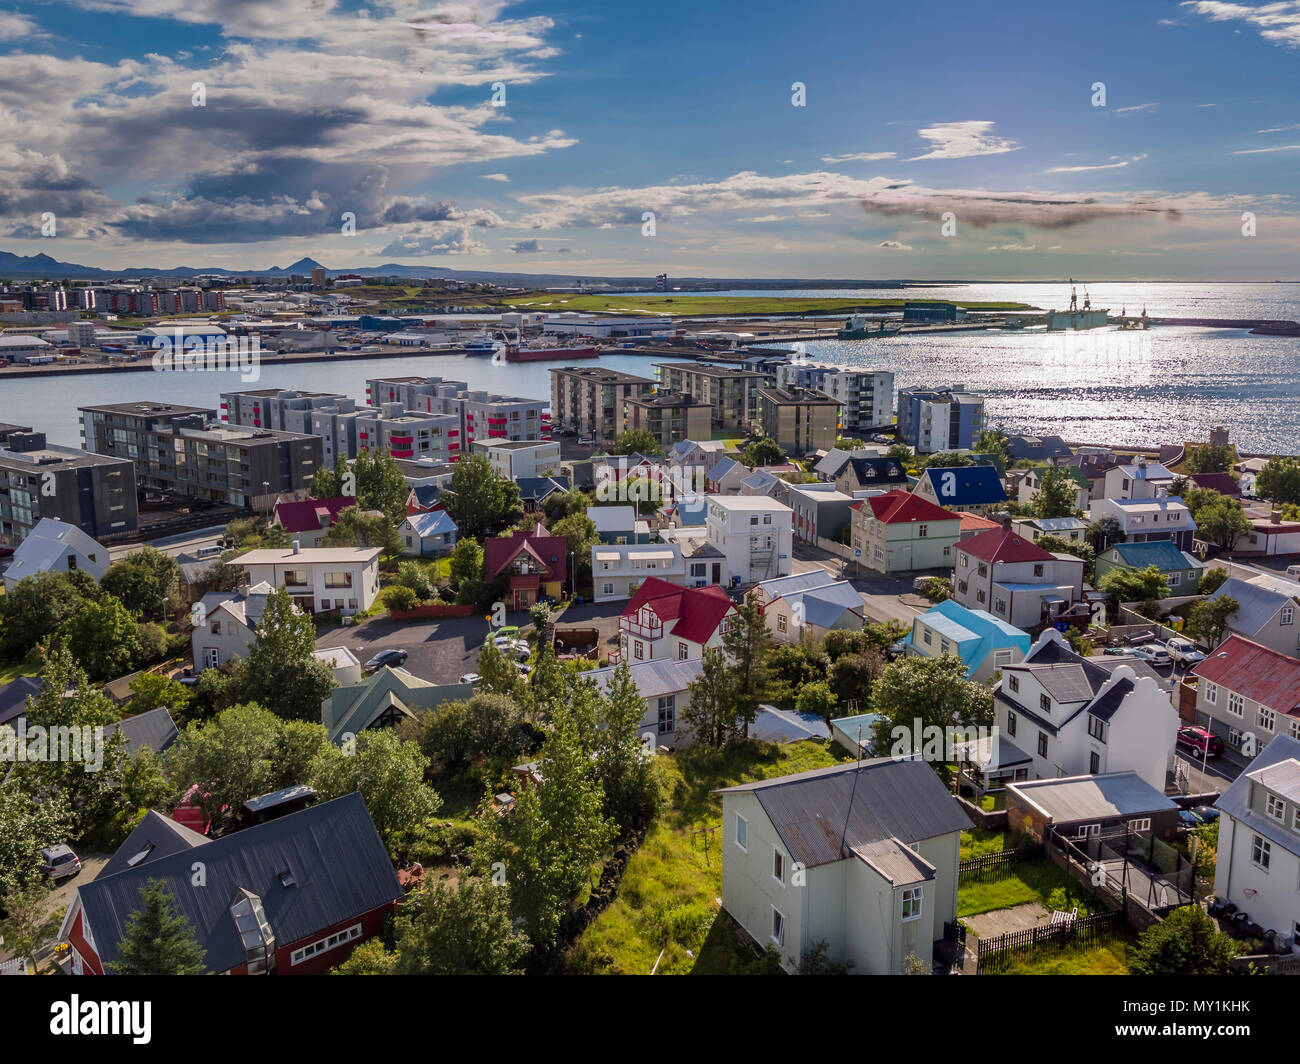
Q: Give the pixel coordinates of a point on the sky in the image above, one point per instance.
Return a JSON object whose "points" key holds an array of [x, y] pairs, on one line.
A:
{"points": [[1114, 140]]}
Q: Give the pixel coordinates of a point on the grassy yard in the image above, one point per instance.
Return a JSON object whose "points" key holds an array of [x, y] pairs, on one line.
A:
{"points": [[691, 305], [976, 842], [1109, 958], [666, 898], [1023, 882], [992, 802]]}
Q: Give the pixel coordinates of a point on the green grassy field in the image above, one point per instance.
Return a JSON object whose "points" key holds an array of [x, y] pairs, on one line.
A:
{"points": [[694, 306], [1110, 958], [1024, 882], [666, 898]]}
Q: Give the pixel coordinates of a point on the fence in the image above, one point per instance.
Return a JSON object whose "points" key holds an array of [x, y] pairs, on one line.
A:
{"points": [[993, 865], [994, 956], [1128, 866]]}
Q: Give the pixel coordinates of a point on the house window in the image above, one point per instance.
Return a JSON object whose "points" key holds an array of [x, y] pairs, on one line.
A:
{"points": [[338, 579], [1038, 570], [1097, 728], [983, 569], [999, 605], [1295, 819], [1275, 807], [780, 623], [1261, 852], [947, 551], [962, 560], [778, 927], [682, 652], [639, 649], [1175, 579], [1288, 615], [1235, 735], [742, 832], [979, 595], [1045, 703], [913, 899], [1014, 681], [926, 637], [1002, 657], [1011, 724], [295, 577], [1042, 744], [324, 945], [607, 589], [1236, 704], [216, 627], [778, 866], [1140, 824], [1266, 719], [667, 714], [922, 531], [1211, 693], [1094, 763]]}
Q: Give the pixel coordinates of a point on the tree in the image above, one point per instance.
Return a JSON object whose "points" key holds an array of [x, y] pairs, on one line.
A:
{"points": [[372, 957], [1056, 495], [1210, 458], [1208, 621], [461, 931], [1077, 547], [466, 562], [1211, 581], [27, 924], [815, 961], [484, 727], [935, 690], [711, 716], [817, 699], [791, 665], [995, 442], [389, 773], [947, 460], [1104, 533], [628, 772], [1221, 521], [480, 502], [281, 672], [36, 607], [638, 441], [853, 675], [560, 504], [416, 577], [1185, 942], [761, 452], [27, 826], [900, 452], [1134, 585], [747, 642], [1279, 481], [105, 637], [143, 581], [355, 527], [152, 690], [398, 597], [580, 535], [159, 940]]}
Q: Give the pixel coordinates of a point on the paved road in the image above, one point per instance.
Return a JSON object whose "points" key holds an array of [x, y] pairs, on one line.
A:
{"points": [[880, 593], [181, 543]]}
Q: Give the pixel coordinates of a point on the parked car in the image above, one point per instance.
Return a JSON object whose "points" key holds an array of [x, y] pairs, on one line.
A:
{"points": [[391, 658], [1184, 651], [6, 552], [211, 551], [60, 861], [895, 649], [1152, 655], [471, 678], [1198, 738]]}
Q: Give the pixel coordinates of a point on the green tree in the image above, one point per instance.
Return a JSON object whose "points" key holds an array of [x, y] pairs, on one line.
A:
{"points": [[1056, 495], [935, 690], [1104, 533], [281, 672], [480, 502], [638, 441], [415, 576], [1077, 547], [762, 452], [1212, 580], [853, 675], [27, 924], [462, 931], [326, 483], [466, 562], [791, 665], [1185, 942], [1221, 521], [398, 597], [484, 727], [27, 826], [152, 690], [947, 460], [380, 485], [105, 636], [561, 504], [355, 527], [629, 773], [747, 642], [818, 699], [497, 668], [711, 715], [579, 532], [370, 958], [143, 581], [995, 442], [900, 452], [1210, 458], [1279, 481], [1135, 585], [159, 939], [389, 773], [36, 607], [1208, 621]]}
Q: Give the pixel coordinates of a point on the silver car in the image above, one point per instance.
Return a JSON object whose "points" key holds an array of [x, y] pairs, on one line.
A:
{"points": [[60, 861]]}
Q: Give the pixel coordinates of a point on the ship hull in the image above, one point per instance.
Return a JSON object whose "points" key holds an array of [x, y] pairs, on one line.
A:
{"points": [[550, 354]]}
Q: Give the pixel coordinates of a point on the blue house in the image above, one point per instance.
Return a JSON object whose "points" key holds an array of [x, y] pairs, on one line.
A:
{"points": [[981, 640], [976, 488], [431, 533]]}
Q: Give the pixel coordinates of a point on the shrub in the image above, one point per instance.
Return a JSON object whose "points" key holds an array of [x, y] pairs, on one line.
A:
{"points": [[416, 577], [398, 597]]}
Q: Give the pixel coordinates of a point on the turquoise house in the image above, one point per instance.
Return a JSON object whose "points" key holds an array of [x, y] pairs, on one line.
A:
{"points": [[984, 642]]}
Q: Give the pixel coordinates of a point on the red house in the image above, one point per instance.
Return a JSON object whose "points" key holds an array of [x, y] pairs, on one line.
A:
{"points": [[535, 561], [292, 896], [310, 519], [665, 620]]}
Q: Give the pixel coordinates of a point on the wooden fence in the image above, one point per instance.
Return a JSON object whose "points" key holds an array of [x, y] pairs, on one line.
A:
{"points": [[992, 865], [995, 955]]}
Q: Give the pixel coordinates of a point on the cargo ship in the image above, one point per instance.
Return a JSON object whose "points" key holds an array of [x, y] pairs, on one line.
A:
{"points": [[858, 327], [525, 353], [1076, 317]]}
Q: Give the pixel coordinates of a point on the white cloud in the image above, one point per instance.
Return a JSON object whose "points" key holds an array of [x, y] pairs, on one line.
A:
{"points": [[1012, 247], [1100, 166], [1276, 22], [860, 157], [894, 245], [14, 27], [494, 177], [963, 140], [1279, 129], [1262, 151]]}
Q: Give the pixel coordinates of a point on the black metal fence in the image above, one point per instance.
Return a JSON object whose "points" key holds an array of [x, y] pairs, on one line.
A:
{"points": [[995, 956], [995, 865]]}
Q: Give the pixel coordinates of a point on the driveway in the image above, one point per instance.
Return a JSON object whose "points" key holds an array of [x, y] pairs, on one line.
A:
{"points": [[61, 897]]}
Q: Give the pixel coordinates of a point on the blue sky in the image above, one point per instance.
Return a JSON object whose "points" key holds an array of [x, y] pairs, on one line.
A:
{"points": [[980, 112]]}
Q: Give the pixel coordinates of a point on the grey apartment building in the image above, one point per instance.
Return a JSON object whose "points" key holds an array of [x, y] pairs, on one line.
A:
{"points": [[732, 393], [94, 492], [184, 450], [480, 414], [591, 401]]}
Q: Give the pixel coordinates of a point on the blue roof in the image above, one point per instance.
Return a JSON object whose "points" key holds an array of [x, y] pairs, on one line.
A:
{"points": [[863, 724], [436, 522], [692, 512], [976, 633], [976, 485], [1163, 554]]}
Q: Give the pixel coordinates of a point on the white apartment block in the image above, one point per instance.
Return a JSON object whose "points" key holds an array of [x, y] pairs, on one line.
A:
{"points": [[619, 570], [513, 459], [753, 534], [481, 415], [866, 397]]}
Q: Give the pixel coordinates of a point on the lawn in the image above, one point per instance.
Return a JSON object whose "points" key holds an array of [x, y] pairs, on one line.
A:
{"points": [[666, 898], [976, 842], [1022, 882], [1108, 958], [992, 802], [691, 306]]}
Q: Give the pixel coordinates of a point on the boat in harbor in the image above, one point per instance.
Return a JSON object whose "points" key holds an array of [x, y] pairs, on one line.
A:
{"points": [[482, 344], [525, 352], [1077, 317], [858, 327]]}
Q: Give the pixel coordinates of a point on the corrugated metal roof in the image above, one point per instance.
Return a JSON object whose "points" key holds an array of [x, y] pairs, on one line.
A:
{"points": [[1235, 801], [1093, 797], [895, 862], [1256, 603], [1262, 675]]}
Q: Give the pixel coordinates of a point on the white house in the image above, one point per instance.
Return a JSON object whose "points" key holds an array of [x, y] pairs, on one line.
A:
{"points": [[810, 603], [320, 579], [1136, 480], [229, 624], [667, 621], [754, 535], [428, 533], [1257, 860], [58, 547], [1069, 716], [1013, 579], [862, 856], [512, 459], [1162, 517], [618, 570], [665, 686]]}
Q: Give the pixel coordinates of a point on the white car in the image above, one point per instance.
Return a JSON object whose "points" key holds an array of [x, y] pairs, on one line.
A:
{"points": [[1184, 652], [1152, 655], [471, 678]]}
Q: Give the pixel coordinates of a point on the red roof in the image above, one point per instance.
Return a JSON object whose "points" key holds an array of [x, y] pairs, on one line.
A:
{"points": [[1262, 675], [306, 516], [1220, 482], [1003, 545], [697, 610], [975, 523], [550, 552], [899, 507]]}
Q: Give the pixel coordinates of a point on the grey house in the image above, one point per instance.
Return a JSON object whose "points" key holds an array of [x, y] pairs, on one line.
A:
{"points": [[862, 856]]}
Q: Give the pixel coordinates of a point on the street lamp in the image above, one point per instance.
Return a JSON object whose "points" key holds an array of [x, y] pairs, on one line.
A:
{"points": [[266, 491]]}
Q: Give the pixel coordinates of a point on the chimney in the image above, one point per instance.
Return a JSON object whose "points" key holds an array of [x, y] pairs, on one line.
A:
{"points": [[297, 547]]}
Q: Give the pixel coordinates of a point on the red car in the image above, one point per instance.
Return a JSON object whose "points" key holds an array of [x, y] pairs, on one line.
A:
{"points": [[1198, 738]]}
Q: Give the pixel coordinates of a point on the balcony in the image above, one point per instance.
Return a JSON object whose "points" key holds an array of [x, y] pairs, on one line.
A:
{"points": [[645, 631]]}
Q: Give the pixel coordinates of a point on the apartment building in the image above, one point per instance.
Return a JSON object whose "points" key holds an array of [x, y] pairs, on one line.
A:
{"points": [[668, 417], [184, 450], [799, 419], [753, 535], [865, 397], [1013, 579], [731, 392], [592, 401], [930, 420], [513, 459], [92, 492], [480, 414]]}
